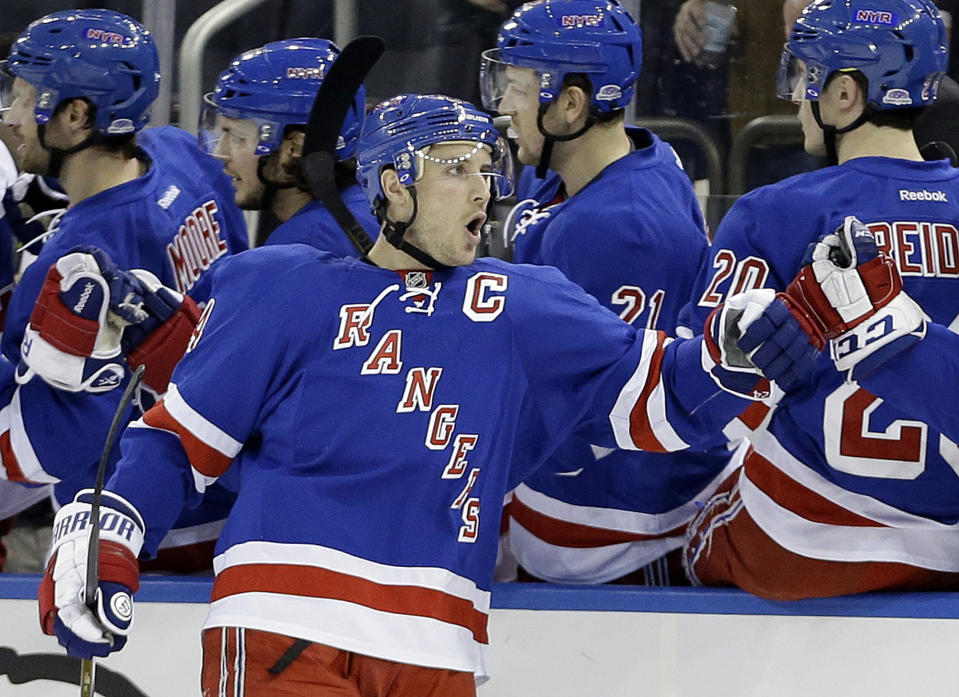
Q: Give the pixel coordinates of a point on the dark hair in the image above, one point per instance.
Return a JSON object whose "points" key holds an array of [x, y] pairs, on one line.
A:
{"points": [[344, 171]]}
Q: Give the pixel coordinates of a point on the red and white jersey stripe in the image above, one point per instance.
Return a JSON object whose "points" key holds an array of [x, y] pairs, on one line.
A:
{"points": [[419, 615], [638, 418], [809, 515]]}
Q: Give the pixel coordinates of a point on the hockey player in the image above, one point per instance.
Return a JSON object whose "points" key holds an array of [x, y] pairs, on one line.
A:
{"points": [[619, 218], [255, 122], [841, 492], [363, 564], [80, 85]]}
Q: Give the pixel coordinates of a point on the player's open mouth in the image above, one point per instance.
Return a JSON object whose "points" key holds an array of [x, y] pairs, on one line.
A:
{"points": [[475, 225]]}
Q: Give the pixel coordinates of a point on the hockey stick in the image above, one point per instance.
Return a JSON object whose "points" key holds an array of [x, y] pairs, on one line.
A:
{"points": [[87, 668], [330, 105]]}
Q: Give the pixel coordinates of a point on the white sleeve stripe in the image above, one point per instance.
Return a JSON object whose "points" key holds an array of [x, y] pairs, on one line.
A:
{"points": [[200, 480], [619, 418], [11, 417], [205, 431], [659, 422]]}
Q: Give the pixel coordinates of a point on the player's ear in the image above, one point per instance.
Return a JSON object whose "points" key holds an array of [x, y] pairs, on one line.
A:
{"points": [[292, 144], [395, 192], [77, 115], [574, 104], [849, 94], [71, 123]]}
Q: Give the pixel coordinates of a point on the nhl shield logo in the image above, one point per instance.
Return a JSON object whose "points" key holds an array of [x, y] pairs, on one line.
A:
{"points": [[416, 279]]}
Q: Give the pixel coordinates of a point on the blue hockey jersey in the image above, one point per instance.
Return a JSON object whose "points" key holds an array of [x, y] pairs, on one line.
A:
{"points": [[371, 417], [838, 473], [633, 238], [175, 220], [315, 226]]}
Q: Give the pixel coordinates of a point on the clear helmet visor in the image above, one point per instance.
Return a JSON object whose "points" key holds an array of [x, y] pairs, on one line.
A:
{"points": [[798, 79], [505, 87], [499, 175], [224, 137], [209, 131], [6, 87], [791, 79]]}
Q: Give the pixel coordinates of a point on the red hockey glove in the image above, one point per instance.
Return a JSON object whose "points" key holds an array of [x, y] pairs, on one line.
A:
{"points": [[73, 339], [160, 341], [852, 291]]}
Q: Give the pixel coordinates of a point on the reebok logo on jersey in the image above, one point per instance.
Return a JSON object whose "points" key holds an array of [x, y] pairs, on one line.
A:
{"points": [[169, 196], [875, 17], [937, 196], [84, 296]]}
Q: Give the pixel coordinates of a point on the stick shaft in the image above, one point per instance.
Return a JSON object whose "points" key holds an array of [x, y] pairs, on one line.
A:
{"points": [[87, 666], [87, 677]]}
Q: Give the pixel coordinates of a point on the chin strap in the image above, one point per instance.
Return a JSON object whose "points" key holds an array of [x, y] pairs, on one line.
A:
{"points": [[550, 138], [394, 231], [57, 155], [830, 132]]}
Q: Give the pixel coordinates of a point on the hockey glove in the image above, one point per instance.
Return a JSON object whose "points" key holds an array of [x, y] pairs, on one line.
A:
{"points": [[73, 339], [159, 341], [63, 610], [755, 346], [853, 292]]}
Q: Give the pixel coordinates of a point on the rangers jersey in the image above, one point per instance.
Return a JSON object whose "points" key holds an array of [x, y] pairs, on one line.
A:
{"points": [[175, 221], [838, 473], [912, 380], [313, 225], [633, 238], [372, 417]]}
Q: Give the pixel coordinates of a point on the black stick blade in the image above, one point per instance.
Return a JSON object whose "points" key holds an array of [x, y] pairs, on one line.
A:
{"points": [[332, 101]]}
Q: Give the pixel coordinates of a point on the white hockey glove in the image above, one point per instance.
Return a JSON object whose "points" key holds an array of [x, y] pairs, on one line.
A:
{"points": [[756, 346], [63, 610], [853, 291], [73, 339]]}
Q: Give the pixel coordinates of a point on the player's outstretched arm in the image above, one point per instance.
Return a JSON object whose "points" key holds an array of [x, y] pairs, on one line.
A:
{"points": [[853, 293]]}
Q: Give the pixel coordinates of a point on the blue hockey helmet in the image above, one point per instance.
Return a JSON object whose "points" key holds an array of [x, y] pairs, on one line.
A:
{"points": [[398, 132], [98, 55], [557, 37], [900, 46], [274, 86]]}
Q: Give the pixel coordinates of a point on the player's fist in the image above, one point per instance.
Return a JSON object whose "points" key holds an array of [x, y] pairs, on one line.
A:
{"points": [[852, 291], [161, 339], [755, 346], [101, 626], [845, 279], [73, 337]]}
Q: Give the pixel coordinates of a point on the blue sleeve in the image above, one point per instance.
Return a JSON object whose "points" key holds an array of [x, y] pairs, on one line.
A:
{"points": [[923, 381], [625, 388], [218, 387]]}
